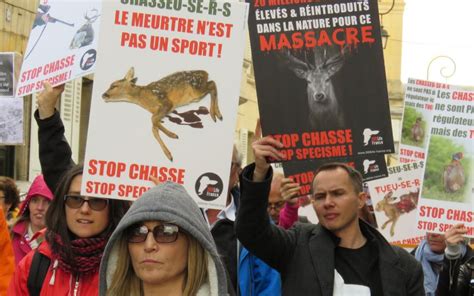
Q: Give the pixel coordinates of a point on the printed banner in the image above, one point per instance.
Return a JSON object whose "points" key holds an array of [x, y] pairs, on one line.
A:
{"points": [[7, 77], [165, 99], [11, 121], [320, 77], [372, 167], [447, 195], [417, 117], [62, 44], [395, 199]]}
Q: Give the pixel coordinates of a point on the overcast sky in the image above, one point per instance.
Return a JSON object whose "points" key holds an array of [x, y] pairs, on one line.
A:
{"points": [[432, 28]]}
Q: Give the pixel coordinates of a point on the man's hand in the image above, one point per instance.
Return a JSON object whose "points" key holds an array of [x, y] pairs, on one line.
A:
{"points": [[289, 190], [455, 234], [262, 149], [47, 99]]}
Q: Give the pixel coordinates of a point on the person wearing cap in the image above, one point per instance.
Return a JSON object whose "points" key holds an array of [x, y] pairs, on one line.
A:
{"points": [[162, 246], [31, 219]]}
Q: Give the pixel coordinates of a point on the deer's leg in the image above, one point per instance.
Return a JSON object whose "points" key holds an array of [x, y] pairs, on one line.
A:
{"points": [[158, 116], [212, 89], [156, 133]]}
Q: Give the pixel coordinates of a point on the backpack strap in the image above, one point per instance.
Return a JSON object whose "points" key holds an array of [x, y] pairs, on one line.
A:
{"points": [[38, 269]]}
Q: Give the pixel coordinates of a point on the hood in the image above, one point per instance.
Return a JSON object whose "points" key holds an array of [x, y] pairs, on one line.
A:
{"points": [[167, 202], [38, 187]]}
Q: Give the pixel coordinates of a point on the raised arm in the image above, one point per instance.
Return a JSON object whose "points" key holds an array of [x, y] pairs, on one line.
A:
{"points": [[54, 151], [268, 242]]}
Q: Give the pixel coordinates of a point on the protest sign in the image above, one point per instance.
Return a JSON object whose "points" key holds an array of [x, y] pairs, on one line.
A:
{"points": [[371, 167], [7, 76], [165, 99], [395, 200], [62, 44], [320, 77], [11, 121], [447, 195], [417, 117]]}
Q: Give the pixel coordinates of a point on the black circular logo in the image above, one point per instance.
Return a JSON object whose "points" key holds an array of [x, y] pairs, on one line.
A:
{"points": [[88, 59], [209, 186]]}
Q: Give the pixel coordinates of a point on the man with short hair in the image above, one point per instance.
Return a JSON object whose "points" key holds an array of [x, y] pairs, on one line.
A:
{"points": [[341, 255]]}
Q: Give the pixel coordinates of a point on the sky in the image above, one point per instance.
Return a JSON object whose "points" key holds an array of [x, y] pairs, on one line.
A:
{"points": [[433, 28]]}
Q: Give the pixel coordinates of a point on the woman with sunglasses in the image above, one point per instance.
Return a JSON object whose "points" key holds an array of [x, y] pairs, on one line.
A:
{"points": [[162, 246], [77, 227]]}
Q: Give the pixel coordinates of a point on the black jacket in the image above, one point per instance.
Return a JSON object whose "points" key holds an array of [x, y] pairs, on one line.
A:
{"points": [[465, 284], [304, 255], [54, 151], [449, 278]]}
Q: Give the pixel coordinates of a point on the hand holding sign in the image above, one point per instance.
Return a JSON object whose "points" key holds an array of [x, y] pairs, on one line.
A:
{"points": [[289, 190], [47, 99], [455, 234], [262, 149]]}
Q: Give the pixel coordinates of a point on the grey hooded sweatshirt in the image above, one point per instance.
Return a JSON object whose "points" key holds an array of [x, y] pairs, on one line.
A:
{"points": [[167, 202]]}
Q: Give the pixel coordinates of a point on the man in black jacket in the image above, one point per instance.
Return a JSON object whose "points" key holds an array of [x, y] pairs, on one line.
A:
{"points": [[340, 256]]}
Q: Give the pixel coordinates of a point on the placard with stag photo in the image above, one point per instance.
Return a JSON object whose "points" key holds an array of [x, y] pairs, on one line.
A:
{"points": [[165, 99], [320, 77]]}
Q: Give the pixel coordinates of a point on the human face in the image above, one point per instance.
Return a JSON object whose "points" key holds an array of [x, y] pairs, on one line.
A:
{"points": [[159, 264], [4, 205], [336, 202], [275, 202], [38, 206], [436, 242], [85, 222]]}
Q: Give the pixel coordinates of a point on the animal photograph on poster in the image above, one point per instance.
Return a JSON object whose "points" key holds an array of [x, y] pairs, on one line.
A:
{"points": [[414, 128], [163, 96], [447, 171], [394, 207]]}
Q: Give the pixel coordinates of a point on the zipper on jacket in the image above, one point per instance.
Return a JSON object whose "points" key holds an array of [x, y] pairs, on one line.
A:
{"points": [[53, 277], [76, 286]]}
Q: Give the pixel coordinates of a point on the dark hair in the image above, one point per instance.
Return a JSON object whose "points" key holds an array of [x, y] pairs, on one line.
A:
{"points": [[56, 214], [354, 175], [11, 192]]}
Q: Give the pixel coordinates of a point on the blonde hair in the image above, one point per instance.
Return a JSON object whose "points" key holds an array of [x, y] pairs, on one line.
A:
{"points": [[126, 283]]}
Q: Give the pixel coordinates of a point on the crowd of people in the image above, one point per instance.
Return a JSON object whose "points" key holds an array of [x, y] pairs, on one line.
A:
{"points": [[59, 242]]}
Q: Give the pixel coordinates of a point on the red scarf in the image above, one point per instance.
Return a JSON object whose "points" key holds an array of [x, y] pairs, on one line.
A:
{"points": [[87, 253]]}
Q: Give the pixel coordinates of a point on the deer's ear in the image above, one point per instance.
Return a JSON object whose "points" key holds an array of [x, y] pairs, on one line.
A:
{"points": [[300, 73], [130, 74], [134, 80]]}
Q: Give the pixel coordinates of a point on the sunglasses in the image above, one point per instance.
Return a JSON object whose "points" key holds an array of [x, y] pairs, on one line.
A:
{"points": [[163, 233], [76, 201]]}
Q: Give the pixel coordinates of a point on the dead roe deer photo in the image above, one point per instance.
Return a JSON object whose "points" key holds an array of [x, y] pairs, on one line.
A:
{"points": [[165, 95]]}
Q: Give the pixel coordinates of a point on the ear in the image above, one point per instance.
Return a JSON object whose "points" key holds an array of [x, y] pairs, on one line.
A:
{"points": [[134, 80], [130, 74], [362, 199]]}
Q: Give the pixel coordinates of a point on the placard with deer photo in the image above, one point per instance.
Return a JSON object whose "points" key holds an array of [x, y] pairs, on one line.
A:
{"points": [[165, 99], [320, 78], [395, 201]]}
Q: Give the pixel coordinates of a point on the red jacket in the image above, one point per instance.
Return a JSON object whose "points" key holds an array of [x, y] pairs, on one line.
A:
{"points": [[56, 283]]}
